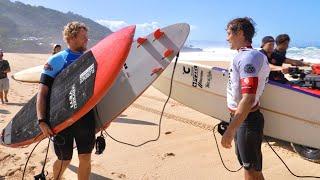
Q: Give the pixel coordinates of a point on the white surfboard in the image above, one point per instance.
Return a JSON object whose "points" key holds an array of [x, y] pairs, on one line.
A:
{"points": [[290, 114], [143, 61], [147, 58], [30, 75]]}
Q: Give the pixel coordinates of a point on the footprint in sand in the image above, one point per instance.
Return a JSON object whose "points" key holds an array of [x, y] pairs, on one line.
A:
{"points": [[4, 156], [11, 159], [12, 171], [17, 158], [44, 150], [168, 132], [119, 175], [166, 155]]}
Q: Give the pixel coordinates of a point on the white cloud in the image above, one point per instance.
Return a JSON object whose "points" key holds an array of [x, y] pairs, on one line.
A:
{"points": [[147, 27], [193, 27], [112, 25], [142, 29]]}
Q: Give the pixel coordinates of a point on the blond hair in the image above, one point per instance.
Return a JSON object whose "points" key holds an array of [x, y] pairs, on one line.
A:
{"points": [[72, 29]]}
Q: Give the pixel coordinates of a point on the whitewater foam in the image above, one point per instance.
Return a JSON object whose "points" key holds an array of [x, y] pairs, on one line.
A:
{"points": [[309, 54]]}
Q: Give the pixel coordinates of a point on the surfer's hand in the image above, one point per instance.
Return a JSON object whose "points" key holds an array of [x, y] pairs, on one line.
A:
{"points": [[45, 129], [285, 70], [227, 138]]}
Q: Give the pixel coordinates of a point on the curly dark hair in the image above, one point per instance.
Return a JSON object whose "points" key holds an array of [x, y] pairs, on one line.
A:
{"points": [[246, 24], [281, 38]]}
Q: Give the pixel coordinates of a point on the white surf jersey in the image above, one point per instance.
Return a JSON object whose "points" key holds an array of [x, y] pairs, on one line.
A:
{"points": [[248, 73]]}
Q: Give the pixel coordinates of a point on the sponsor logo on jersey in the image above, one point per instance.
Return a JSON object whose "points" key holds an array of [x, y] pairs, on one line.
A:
{"points": [[246, 81], [47, 67], [249, 68]]}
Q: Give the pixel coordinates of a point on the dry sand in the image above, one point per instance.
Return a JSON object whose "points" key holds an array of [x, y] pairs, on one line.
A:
{"points": [[185, 150]]}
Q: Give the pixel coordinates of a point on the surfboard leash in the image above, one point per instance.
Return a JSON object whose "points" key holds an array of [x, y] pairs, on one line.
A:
{"points": [[298, 176], [222, 126], [42, 175], [160, 120], [215, 138], [25, 166]]}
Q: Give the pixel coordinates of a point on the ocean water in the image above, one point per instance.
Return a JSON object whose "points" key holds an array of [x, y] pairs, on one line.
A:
{"points": [[309, 54]]}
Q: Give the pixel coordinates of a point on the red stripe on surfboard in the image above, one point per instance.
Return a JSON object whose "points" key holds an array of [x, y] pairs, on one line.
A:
{"points": [[312, 91]]}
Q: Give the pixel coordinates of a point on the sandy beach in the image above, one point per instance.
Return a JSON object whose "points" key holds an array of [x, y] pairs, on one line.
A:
{"points": [[185, 150]]}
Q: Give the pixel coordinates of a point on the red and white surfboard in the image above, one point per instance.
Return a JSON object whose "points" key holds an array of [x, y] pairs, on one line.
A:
{"points": [[75, 91]]}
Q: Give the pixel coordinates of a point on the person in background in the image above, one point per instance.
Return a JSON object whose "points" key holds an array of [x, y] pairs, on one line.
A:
{"points": [[267, 48], [4, 81], [278, 58], [56, 49]]}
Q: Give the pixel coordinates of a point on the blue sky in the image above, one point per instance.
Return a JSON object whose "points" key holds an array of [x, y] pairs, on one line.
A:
{"points": [[208, 18]]}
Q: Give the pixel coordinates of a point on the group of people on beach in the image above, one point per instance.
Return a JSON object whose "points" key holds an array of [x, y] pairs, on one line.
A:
{"points": [[248, 74], [277, 56]]}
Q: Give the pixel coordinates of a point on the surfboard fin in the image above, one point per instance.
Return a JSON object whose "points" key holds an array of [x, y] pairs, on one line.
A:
{"points": [[141, 40], [157, 34], [167, 53], [156, 70]]}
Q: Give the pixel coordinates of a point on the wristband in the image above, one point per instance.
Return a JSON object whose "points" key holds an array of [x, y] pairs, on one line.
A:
{"points": [[42, 120]]}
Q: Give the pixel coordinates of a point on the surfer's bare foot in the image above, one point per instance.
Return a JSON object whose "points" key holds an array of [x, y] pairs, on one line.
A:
{"points": [[2, 101]]}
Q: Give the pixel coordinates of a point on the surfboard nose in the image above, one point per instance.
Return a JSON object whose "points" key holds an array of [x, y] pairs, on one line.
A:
{"points": [[184, 26], [130, 30], [120, 40]]}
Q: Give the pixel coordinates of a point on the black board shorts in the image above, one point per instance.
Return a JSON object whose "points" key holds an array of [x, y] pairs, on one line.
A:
{"points": [[82, 131], [248, 141]]}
